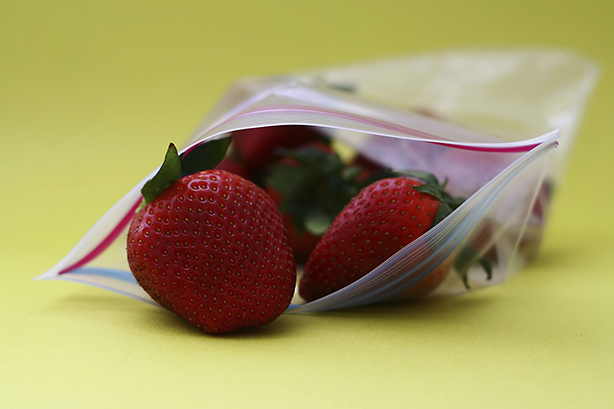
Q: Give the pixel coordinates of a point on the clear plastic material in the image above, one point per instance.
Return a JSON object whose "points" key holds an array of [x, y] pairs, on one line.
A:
{"points": [[487, 121]]}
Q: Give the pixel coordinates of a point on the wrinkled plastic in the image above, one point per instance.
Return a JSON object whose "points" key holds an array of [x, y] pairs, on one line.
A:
{"points": [[487, 121]]}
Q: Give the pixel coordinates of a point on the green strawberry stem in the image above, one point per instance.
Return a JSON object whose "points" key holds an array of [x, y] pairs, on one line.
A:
{"points": [[202, 157], [467, 257]]}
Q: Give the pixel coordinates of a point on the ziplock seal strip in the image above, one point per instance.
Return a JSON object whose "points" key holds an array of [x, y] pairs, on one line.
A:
{"points": [[501, 147]]}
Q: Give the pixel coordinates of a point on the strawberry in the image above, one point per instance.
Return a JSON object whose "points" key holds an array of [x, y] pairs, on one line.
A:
{"points": [[371, 170], [256, 147], [230, 164], [429, 283], [533, 232], [210, 245], [383, 218], [542, 202]]}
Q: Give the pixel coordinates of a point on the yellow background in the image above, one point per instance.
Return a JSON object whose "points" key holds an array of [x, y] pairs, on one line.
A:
{"points": [[91, 92]]}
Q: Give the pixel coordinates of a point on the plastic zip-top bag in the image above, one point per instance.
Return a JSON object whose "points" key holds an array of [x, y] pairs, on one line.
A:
{"points": [[497, 126]]}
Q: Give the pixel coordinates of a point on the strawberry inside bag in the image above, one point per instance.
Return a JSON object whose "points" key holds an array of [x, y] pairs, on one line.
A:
{"points": [[495, 127]]}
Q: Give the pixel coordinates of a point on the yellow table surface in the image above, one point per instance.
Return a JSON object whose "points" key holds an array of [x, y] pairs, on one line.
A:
{"points": [[92, 92]]}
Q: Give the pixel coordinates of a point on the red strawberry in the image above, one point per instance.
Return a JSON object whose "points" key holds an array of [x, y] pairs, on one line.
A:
{"points": [[542, 201], [428, 284], [231, 165], [212, 248], [383, 218], [256, 147], [369, 168], [533, 232]]}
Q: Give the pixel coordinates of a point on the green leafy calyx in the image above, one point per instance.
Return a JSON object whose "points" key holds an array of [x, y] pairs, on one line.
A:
{"points": [[465, 259], [314, 184], [201, 157]]}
